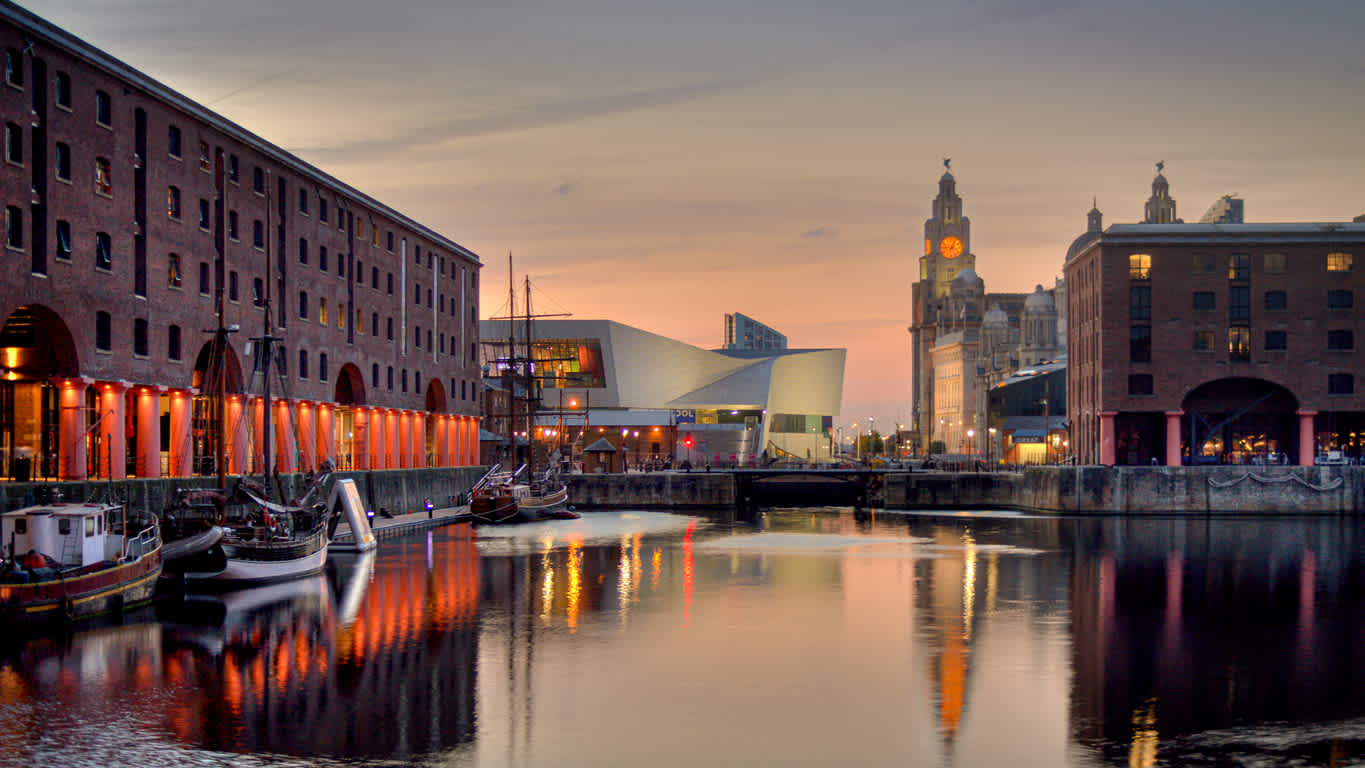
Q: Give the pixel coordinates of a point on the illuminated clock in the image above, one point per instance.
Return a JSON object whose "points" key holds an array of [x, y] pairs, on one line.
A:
{"points": [[950, 247], [928, 246]]}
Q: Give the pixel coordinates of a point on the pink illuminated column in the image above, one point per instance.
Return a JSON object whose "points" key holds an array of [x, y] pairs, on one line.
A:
{"points": [[285, 441], [1307, 446], [113, 442], [360, 439], [148, 460], [405, 439], [474, 440], [454, 437], [181, 445], [1173, 438], [419, 439], [237, 441], [1107, 437], [390, 439], [307, 436], [443, 440], [326, 433], [257, 434], [73, 458]]}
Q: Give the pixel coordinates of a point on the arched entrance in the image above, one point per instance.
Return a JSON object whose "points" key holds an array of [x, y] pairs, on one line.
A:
{"points": [[217, 374], [1238, 421], [35, 348], [351, 438], [435, 405]]}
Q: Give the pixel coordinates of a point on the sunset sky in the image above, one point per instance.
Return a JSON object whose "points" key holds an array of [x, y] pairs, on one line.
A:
{"points": [[661, 163]]}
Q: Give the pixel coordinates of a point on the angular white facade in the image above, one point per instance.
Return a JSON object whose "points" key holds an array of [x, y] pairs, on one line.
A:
{"points": [[740, 402]]}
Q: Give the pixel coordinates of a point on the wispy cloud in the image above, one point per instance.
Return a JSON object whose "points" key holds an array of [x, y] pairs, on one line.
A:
{"points": [[819, 233]]}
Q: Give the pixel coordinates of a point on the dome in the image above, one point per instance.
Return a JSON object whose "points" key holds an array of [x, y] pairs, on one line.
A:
{"points": [[1079, 244], [996, 317], [1039, 301], [968, 276]]}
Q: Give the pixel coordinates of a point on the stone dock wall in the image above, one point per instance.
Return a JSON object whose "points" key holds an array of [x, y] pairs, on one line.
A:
{"points": [[401, 491], [1060, 490]]}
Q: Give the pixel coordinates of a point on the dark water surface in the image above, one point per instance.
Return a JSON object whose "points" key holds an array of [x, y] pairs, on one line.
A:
{"points": [[813, 637]]}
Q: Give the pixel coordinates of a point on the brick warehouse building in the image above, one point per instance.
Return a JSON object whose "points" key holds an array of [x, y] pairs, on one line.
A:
{"points": [[129, 210], [1210, 343]]}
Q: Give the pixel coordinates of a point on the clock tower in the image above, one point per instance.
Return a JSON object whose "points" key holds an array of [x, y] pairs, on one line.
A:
{"points": [[947, 251]]}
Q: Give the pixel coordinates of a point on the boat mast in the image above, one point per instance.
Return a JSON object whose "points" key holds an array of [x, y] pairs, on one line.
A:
{"points": [[217, 370], [530, 393], [267, 352], [511, 359]]}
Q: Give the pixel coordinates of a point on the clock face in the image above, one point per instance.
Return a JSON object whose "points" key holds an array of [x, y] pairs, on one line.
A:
{"points": [[950, 247]]}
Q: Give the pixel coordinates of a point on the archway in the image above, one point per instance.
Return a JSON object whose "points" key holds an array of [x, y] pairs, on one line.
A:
{"points": [[435, 405], [36, 348], [350, 439], [1237, 421], [217, 374]]}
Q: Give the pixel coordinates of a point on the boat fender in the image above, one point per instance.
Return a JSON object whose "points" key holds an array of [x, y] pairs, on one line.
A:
{"points": [[571, 508]]}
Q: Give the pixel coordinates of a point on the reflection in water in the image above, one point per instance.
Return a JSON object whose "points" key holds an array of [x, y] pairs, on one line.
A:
{"points": [[814, 637]]}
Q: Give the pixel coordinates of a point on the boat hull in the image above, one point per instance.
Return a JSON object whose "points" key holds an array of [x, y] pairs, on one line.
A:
{"points": [[259, 562], [84, 596]]}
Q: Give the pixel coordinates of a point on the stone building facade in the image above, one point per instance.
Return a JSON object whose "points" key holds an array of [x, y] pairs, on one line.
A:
{"points": [[140, 227]]}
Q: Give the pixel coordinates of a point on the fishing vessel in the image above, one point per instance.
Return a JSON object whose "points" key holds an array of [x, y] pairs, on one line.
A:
{"points": [[66, 562]]}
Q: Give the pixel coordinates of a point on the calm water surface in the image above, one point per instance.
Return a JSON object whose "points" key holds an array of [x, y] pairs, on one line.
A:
{"points": [[811, 637]]}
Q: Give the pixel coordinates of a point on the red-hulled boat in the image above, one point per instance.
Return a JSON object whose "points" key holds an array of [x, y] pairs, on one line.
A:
{"points": [[70, 561]]}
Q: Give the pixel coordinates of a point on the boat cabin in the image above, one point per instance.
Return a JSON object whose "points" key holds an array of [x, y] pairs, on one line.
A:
{"points": [[74, 535]]}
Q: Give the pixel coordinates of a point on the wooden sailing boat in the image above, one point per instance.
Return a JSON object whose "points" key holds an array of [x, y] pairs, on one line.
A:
{"points": [[525, 494], [265, 539]]}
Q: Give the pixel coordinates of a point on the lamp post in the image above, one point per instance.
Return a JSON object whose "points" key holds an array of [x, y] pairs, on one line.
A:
{"points": [[990, 448], [871, 428], [857, 440], [971, 446]]}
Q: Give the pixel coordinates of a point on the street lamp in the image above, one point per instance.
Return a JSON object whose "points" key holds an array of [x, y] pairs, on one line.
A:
{"points": [[990, 448], [971, 445], [871, 446]]}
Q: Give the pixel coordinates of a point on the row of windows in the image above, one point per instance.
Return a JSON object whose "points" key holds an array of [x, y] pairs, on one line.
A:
{"points": [[1239, 299], [1239, 264], [1239, 342], [1141, 384]]}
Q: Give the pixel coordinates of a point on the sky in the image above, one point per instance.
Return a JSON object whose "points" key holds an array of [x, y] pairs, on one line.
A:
{"points": [[660, 163]]}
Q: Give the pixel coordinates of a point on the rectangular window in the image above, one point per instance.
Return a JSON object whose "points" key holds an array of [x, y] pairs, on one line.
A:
{"points": [[14, 144], [1339, 262], [1276, 340], [341, 315], [173, 270], [103, 332], [303, 202], [1204, 301], [1239, 304], [303, 304], [62, 155], [1340, 384], [1239, 267], [1140, 343], [389, 331], [303, 363], [258, 292], [390, 239], [14, 226], [104, 183], [1205, 263], [1139, 384], [374, 324], [139, 337], [322, 258], [1140, 303], [1341, 339], [258, 234], [1340, 299], [1203, 341], [104, 109], [303, 250], [258, 180], [390, 378], [205, 164], [1239, 343], [232, 286], [322, 310], [14, 67], [173, 202], [360, 228], [322, 366], [104, 251], [173, 141], [1139, 266], [204, 285], [1276, 264], [1276, 301], [173, 343], [322, 208], [390, 283], [233, 170], [203, 214], [63, 240], [63, 95]]}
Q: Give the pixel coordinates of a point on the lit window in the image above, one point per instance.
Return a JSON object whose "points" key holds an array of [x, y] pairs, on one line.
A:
{"points": [[1239, 267], [360, 228], [173, 202], [1239, 343], [322, 310], [173, 270], [1139, 266], [204, 162], [359, 321], [341, 315], [1339, 262], [103, 183]]}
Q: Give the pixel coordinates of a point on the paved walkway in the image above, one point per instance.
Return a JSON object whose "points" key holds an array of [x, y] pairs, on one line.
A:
{"points": [[400, 525]]}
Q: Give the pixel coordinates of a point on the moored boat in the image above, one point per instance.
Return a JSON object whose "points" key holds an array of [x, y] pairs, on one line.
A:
{"points": [[73, 561]]}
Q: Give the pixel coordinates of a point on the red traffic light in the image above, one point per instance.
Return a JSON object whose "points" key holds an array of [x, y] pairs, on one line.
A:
{"points": [[687, 441]]}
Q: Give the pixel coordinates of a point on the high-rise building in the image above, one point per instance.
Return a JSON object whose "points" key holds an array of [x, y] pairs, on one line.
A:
{"points": [[1225, 210]]}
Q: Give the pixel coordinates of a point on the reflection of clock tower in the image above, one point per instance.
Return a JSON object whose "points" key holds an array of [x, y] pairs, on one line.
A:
{"points": [[947, 251]]}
